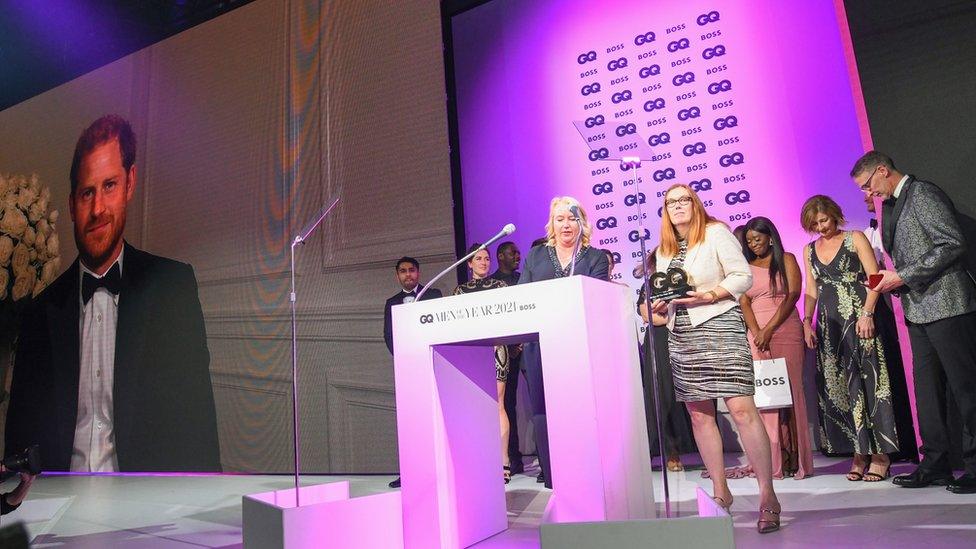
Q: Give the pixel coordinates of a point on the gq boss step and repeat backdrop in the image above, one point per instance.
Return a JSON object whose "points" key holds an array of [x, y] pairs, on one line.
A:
{"points": [[750, 103]]}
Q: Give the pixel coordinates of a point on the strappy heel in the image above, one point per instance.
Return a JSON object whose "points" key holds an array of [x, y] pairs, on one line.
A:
{"points": [[727, 505], [507, 473], [767, 525]]}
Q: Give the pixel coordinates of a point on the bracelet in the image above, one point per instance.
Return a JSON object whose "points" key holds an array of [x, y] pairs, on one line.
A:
{"points": [[867, 313], [714, 295]]}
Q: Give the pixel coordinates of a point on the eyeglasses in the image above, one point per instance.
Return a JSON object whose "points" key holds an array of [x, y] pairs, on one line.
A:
{"points": [[866, 186], [672, 202]]}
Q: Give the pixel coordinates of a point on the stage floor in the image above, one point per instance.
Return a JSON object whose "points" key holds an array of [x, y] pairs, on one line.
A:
{"points": [[205, 511]]}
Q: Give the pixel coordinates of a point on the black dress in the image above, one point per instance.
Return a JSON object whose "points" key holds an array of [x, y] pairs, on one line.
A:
{"points": [[678, 436], [856, 413]]}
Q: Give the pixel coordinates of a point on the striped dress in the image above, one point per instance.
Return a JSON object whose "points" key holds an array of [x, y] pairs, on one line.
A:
{"points": [[713, 359]]}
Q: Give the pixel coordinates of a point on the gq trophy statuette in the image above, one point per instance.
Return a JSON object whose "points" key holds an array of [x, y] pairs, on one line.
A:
{"points": [[670, 285]]}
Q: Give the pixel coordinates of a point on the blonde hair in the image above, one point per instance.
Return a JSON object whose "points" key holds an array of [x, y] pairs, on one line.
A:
{"points": [[699, 221], [566, 202], [820, 204]]}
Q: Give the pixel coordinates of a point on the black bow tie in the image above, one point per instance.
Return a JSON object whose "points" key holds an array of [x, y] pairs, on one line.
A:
{"points": [[112, 281]]}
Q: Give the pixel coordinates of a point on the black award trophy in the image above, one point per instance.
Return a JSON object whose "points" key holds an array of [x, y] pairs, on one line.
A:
{"points": [[670, 285]]}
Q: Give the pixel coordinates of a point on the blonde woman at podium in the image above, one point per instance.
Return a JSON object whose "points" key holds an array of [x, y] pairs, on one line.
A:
{"points": [[566, 251], [480, 266], [710, 355]]}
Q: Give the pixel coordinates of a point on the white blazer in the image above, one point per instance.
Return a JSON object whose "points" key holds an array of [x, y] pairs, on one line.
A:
{"points": [[717, 261]]}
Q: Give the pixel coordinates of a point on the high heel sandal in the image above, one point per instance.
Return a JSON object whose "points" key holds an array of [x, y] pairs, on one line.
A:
{"points": [[723, 504], [767, 525], [507, 473], [871, 476]]}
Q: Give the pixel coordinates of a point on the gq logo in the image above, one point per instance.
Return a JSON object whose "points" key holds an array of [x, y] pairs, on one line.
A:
{"points": [[740, 197], [727, 122], [616, 257], [620, 97], [617, 64], [592, 121], [701, 185], [733, 159], [720, 86], [426, 319], [653, 70], [682, 44], [606, 223], [717, 51], [706, 18], [686, 78], [685, 114], [693, 149], [598, 154], [645, 38], [664, 175], [585, 58], [635, 236], [590, 88], [626, 129], [654, 104], [659, 139], [602, 188], [632, 200]]}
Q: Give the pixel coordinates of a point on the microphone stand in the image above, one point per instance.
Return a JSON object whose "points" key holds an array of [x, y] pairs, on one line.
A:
{"points": [[649, 357], [576, 245], [504, 232], [299, 240]]}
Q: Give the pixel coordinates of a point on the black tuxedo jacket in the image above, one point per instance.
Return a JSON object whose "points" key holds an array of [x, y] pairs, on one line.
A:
{"points": [[397, 300], [163, 408]]}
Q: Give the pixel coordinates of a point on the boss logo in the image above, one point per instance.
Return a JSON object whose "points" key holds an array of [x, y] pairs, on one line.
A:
{"points": [[626, 129], [617, 64], [701, 185], [727, 122], [686, 78], [659, 139], [590, 88], [653, 70], [598, 154], [733, 159], [606, 223], [597, 120], [706, 18], [686, 114], [693, 149], [645, 38], [717, 51], [634, 236], [603, 188], [426, 319], [632, 199], [720, 86], [664, 175], [682, 44], [654, 104], [740, 197], [585, 58], [769, 381], [620, 97]]}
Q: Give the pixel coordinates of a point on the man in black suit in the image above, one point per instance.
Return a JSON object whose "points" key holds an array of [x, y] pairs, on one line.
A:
{"points": [[112, 367], [408, 276], [938, 294]]}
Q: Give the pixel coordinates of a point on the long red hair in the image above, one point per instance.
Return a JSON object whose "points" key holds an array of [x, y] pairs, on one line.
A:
{"points": [[700, 220]]}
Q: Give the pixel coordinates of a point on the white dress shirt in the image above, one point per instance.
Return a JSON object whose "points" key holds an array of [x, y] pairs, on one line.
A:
{"points": [[94, 443]]}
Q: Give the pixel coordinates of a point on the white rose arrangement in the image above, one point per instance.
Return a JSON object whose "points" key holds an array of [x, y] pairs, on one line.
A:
{"points": [[30, 253]]}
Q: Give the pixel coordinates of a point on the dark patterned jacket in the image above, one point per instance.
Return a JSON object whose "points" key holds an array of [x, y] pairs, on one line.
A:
{"points": [[925, 243]]}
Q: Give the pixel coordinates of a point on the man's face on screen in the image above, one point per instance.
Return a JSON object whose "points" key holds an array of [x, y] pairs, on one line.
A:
{"points": [[408, 276], [98, 205]]}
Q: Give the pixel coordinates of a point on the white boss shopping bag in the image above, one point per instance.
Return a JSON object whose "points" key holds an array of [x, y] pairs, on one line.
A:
{"points": [[772, 384]]}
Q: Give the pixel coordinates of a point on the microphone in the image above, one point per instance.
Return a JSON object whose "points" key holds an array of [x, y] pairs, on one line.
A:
{"points": [[507, 230], [574, 209]]}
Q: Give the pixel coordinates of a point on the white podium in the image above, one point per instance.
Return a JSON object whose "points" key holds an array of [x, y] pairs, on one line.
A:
{"points": [[447, 411]]}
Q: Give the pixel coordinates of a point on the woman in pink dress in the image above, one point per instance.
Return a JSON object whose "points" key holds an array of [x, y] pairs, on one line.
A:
{"points": [[775, 331]]}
